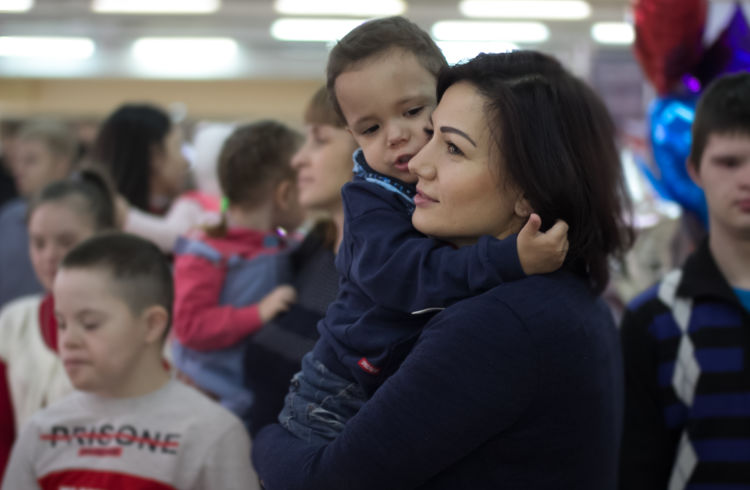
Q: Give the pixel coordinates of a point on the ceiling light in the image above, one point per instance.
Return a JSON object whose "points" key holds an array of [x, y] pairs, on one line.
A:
{"points": [[58, 48], [526, 9], [16, 5], [321, 30], [613, 33], [199, 57], [155, 6], [468, 30], [358, 8], [456, 51]]}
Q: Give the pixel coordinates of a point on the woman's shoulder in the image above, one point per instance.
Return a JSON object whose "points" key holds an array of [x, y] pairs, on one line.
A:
{"points": [[535, 301]]}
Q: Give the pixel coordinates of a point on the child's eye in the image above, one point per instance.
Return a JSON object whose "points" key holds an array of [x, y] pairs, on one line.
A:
{"points": [[90, 326], [370, 130], [454, 150], [414, 111], [429, 132]]}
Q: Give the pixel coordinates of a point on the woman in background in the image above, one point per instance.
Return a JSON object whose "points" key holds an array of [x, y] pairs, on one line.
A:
{"points": [[65, 213]]}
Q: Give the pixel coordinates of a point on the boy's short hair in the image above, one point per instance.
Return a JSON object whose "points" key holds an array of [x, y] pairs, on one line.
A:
{"points": [[723, 108], [254, 158], [137, 266], [377, 37]]}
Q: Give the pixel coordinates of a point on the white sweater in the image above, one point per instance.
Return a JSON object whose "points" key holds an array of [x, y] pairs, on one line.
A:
{"points": [[172, 438], [36, 376]]}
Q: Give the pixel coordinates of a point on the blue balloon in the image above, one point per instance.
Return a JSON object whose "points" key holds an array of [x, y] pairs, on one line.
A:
{"points": [[671, 118]]}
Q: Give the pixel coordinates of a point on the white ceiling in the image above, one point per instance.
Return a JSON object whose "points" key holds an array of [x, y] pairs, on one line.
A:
{"points": [[248, 22]]}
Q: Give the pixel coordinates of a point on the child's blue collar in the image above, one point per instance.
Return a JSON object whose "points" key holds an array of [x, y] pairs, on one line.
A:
{"points": [[364, 171]]}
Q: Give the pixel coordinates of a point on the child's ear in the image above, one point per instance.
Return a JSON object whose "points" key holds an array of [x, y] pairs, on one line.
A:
{"points": [[693, 172], [285, 193], [157, 321]]}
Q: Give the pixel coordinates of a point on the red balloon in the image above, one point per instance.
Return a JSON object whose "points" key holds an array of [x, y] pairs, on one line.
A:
{"points": [[668, 39]]}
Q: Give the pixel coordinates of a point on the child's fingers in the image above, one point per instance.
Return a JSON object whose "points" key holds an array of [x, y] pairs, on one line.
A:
{"points": [[531, 228]]}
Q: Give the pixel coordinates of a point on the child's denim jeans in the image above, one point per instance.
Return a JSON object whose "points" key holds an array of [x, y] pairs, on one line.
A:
{"points": [[319, 402]]}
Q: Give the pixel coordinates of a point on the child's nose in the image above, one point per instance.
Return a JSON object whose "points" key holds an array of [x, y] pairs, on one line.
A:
{"points": [[397, 133]]}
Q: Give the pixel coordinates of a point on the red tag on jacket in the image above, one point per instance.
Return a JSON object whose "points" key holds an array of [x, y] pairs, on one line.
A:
{"points": [[367, 367]]}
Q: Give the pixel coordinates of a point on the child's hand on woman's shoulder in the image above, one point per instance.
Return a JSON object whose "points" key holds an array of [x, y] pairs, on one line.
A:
{"points": [[540, 253]]}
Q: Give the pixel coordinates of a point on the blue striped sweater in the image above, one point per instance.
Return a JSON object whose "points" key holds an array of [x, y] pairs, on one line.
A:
{"points": [[687, 410]]}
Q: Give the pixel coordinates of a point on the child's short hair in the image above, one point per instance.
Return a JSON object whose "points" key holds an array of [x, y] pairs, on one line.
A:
{"points": [[57, 136], [137, 266], [320, 110], [724, 108], [376, 37], [254, 158]]}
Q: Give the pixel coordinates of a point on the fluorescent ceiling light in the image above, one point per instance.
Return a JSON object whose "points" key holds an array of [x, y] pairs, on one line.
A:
{"points": [[526, 9], [16, 5], [155, 6], [184, 56], [455, 51], [57, 48], [360, 8], [321, 30], [613, 33], [469, 30]]}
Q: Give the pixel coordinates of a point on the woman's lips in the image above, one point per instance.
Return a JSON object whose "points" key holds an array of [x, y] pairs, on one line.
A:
{"points": [[744, 205], [422, 199]]}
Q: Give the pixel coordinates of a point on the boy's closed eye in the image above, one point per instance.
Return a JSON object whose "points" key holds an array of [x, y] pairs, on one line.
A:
{"points": [[414, 111], [370, 130]]}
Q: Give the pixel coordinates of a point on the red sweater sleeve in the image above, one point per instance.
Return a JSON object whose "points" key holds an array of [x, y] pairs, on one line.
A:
{"points": [[200, 322], [7, 424]]}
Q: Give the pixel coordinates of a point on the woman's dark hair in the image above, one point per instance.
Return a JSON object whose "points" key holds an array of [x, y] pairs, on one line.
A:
{"points": [[87, 190], [557, 142], [124, 147]]}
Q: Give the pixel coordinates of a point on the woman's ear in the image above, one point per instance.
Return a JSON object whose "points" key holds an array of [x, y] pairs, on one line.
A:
{"points": [[156, 318], [522, 207]]}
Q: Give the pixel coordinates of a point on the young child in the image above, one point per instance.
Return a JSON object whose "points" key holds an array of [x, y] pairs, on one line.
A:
{"points": [[129, 425], [382, 80], [230, 280]]}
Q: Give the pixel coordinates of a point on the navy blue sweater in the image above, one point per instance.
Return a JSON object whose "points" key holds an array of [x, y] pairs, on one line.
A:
{"points": [[389, 270], [518, 388]]}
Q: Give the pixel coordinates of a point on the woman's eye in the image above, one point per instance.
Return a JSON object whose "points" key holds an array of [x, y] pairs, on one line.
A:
{"points": [[454, 150], [90, 326]]}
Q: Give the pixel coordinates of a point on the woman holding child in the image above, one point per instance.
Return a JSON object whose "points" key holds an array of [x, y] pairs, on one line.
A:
{"points": [[518, 387]]}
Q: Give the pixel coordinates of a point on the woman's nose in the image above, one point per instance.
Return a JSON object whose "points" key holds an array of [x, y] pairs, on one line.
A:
{"points": [[419, 166]]}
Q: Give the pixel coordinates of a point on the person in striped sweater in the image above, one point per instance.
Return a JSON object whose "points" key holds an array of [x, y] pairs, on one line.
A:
{"points": [[685, 340]]}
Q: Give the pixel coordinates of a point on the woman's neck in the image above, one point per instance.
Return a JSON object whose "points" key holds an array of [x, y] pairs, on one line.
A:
{"points": [[259, 218]]}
